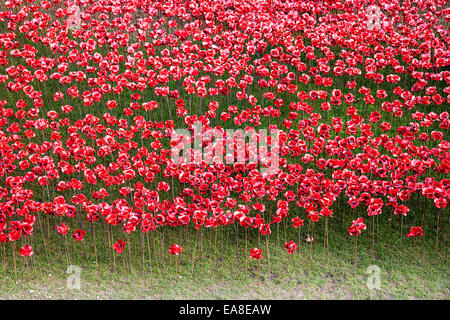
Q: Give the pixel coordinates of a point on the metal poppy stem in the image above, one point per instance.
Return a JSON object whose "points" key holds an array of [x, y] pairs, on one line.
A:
{"points": [[326, 235], [437, 230], [143, 251], [377, 229], [210, 244], [162, 246], [424, 207], [65, 249], [95, 244], [155, 249], [259, 239], [401, 231], [215, 243], [222, 242], [389, 226], [195, 251], [14, 258], [257, 266], [423, 219], [344, 216], [48, 233], [268, 255], [45, 242], [310, 242], [278, 234], [129, 253], [414, 249], [85, 251], [373, 234], [109, 244], [149, 255], [201, 243], [3, 259], [246, 255], [237, 242]]}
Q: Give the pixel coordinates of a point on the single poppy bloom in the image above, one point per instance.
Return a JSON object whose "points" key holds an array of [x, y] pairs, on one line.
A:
{"points": [[297, 222], [357, 226], [175, 249], [415, 231], [256, 253], [79, 235], [119, 246], [63, 228], [264, 229], [290, 246], [26, 251]]}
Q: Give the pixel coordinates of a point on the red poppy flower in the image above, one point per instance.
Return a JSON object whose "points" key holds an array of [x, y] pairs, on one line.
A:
{"points": [[256, 253], [297, 222], [79, 235], [26, 251], [415, 231], [62, 229], [175, 249], [357, 226], [290, 246], [119, 246], [264, 229]]}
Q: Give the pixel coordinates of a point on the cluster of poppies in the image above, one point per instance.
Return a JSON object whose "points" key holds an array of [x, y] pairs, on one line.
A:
{"points": [[356, 90]]}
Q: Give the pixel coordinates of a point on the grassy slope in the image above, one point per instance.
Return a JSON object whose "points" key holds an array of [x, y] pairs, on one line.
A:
{"points": [[407, 272]]}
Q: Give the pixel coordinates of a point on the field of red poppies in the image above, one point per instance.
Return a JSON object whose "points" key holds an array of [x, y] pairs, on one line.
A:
{"points": [[345, 104]]}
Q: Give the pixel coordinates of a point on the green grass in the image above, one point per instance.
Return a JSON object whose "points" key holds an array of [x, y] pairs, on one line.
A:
{"points": [[407, 271]]}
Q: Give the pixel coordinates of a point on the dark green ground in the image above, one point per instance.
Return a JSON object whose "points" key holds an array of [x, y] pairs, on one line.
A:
{"points": [[407, 272]]}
